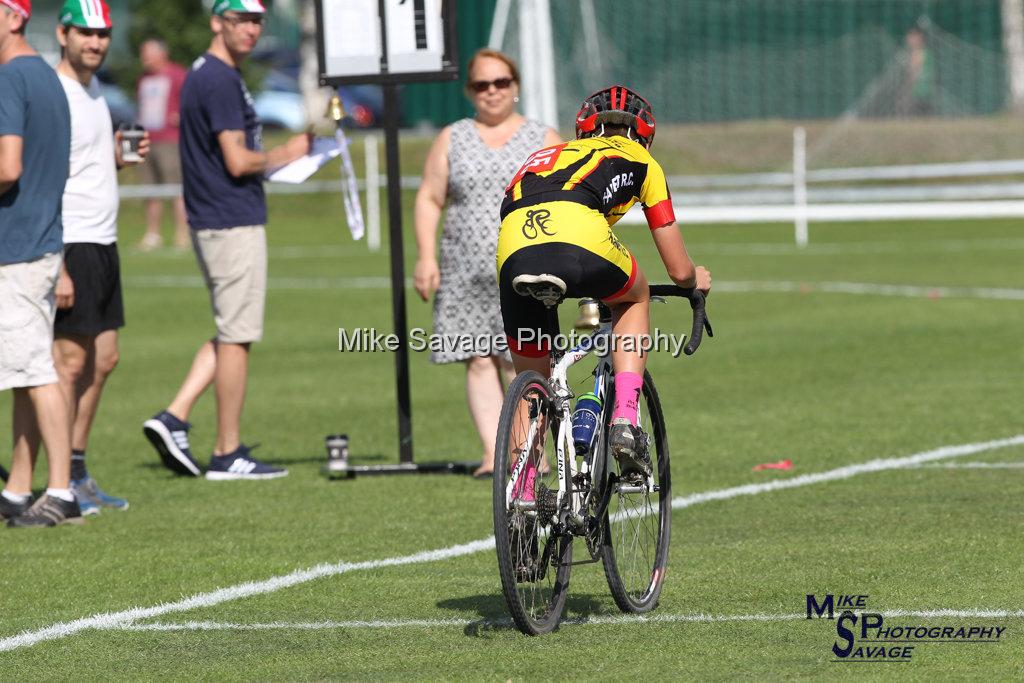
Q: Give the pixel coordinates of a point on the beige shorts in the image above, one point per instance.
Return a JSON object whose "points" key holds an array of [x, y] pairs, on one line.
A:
{"points": [[27, 307], [234, 265], [163, 165]]}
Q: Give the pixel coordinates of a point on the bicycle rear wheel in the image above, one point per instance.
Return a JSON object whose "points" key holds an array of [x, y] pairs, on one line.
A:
{"points": [[637, 524], [533, 562]]}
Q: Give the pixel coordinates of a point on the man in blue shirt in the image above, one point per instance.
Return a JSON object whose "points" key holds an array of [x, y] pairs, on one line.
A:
{"points": [[222, 163], [35, 142]]}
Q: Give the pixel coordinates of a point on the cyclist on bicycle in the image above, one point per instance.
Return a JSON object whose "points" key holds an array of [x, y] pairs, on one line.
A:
{"points": [[556, 227]]}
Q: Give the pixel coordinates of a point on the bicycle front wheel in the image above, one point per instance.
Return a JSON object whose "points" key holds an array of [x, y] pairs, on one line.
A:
{"points": [[638, 521], [534, 563]]}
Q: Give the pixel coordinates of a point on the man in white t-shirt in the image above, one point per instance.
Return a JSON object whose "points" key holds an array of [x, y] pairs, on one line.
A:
{"points": [[90, 309]]}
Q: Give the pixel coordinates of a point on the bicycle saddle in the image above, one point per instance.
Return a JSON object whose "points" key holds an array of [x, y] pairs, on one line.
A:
{"points": [[546, 288]]}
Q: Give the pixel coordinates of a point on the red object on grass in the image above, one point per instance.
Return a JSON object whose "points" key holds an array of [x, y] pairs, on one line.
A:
{"points": [[786, 464]]}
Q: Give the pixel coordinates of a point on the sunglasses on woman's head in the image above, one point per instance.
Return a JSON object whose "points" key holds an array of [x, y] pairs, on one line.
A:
{"points": [[483, 86]]}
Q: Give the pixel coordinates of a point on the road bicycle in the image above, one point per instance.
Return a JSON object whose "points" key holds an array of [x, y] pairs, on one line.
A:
{"points": [[625, 520]]}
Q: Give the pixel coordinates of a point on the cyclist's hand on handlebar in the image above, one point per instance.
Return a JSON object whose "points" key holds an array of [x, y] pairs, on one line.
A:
{"points": [[703, 279], [426, 278]]}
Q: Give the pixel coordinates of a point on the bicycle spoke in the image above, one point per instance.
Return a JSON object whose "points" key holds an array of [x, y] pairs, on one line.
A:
{"points": [[534, 570], [638, 522]]}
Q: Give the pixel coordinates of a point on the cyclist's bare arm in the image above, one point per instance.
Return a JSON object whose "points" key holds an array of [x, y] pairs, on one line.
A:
{"points": [[669, 241]]}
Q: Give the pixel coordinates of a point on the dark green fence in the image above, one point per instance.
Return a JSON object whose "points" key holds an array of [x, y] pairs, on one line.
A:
{"points": [[708, 60], [714, 60]]}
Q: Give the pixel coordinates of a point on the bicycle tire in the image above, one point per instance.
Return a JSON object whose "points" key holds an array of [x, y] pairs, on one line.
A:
{"points": [[636, 582], [526, 556]]}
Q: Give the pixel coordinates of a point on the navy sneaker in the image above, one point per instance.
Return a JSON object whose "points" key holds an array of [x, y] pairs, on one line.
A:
{"points": [[241, 465], [91, 497], [169, 437]]}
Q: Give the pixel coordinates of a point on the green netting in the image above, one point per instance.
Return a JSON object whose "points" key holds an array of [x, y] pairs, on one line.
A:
{"points": [[721, 60]]}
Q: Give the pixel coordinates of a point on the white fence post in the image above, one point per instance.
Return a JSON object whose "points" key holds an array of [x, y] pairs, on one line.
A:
{"points": [[1013, 47], [536, 59], [800, 186], [372, 193], [498, 24]]}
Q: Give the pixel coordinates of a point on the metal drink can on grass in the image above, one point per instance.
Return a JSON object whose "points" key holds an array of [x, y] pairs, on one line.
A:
{"points": [[337, 452]]}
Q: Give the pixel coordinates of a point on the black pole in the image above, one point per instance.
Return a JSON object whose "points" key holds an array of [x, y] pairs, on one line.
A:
{"points": [[397, 273]]}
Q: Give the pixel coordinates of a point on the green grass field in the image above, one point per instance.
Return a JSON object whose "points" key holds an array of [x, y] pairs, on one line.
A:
{"points": [[826, 378]]}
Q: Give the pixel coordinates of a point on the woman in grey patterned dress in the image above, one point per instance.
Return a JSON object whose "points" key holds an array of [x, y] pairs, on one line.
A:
{"points": [[467, 169]]}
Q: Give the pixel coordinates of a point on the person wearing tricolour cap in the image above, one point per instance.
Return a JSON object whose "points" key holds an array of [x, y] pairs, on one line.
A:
{"points": [[89, 303], [86, 14], [22, 8], [35, 140], [222, 163]]}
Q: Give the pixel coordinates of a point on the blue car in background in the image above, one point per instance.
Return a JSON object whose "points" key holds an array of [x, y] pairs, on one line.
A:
{"points": [[280, 105]]}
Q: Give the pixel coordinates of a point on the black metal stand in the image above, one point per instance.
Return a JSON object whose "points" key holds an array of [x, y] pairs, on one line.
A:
{"points": [[353, 471], [397, 251], [346, 73], [398, 310]]}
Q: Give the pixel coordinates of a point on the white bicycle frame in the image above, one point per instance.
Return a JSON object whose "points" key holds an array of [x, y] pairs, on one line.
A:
{"points": [[565, 448]]}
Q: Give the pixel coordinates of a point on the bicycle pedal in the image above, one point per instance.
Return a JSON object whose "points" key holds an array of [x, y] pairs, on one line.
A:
{"points": [[576, 562]]}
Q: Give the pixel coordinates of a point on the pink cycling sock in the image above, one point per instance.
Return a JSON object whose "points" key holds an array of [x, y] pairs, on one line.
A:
{"points": [[627, 395]]}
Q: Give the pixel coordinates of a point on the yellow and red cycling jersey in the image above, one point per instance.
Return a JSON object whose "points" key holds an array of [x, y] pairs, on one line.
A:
{"points": [[557, 219], [574, 192], [608, 175]]}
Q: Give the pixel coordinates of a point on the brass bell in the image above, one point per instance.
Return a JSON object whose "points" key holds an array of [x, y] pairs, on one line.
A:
{"points": [[335, 109], [589, 315]]}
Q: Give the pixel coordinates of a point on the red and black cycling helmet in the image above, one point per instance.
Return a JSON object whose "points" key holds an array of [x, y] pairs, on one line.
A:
{"points": [[616, 105]]}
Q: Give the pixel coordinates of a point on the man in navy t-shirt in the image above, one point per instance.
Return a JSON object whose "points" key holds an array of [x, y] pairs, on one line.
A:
{"points": [[222, 164], [35, 144]]}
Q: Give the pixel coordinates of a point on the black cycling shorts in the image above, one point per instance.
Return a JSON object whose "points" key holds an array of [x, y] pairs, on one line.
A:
{"points": [[528, 325]]}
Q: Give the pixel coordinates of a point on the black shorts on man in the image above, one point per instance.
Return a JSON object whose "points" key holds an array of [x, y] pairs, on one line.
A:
{"points": [[95, 270]]}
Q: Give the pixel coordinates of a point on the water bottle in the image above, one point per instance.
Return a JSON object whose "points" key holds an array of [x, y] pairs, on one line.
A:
{"points": [[584, 422]]}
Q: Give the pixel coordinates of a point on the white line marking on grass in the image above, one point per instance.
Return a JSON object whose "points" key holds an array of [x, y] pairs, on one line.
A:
{"points": [[314, 251], [279, 283], [422, 623], [840, 248], [109, 620], [908, 291], [243, 590], [617, 619], [767, 287], [973, 465], [848, 471]]}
